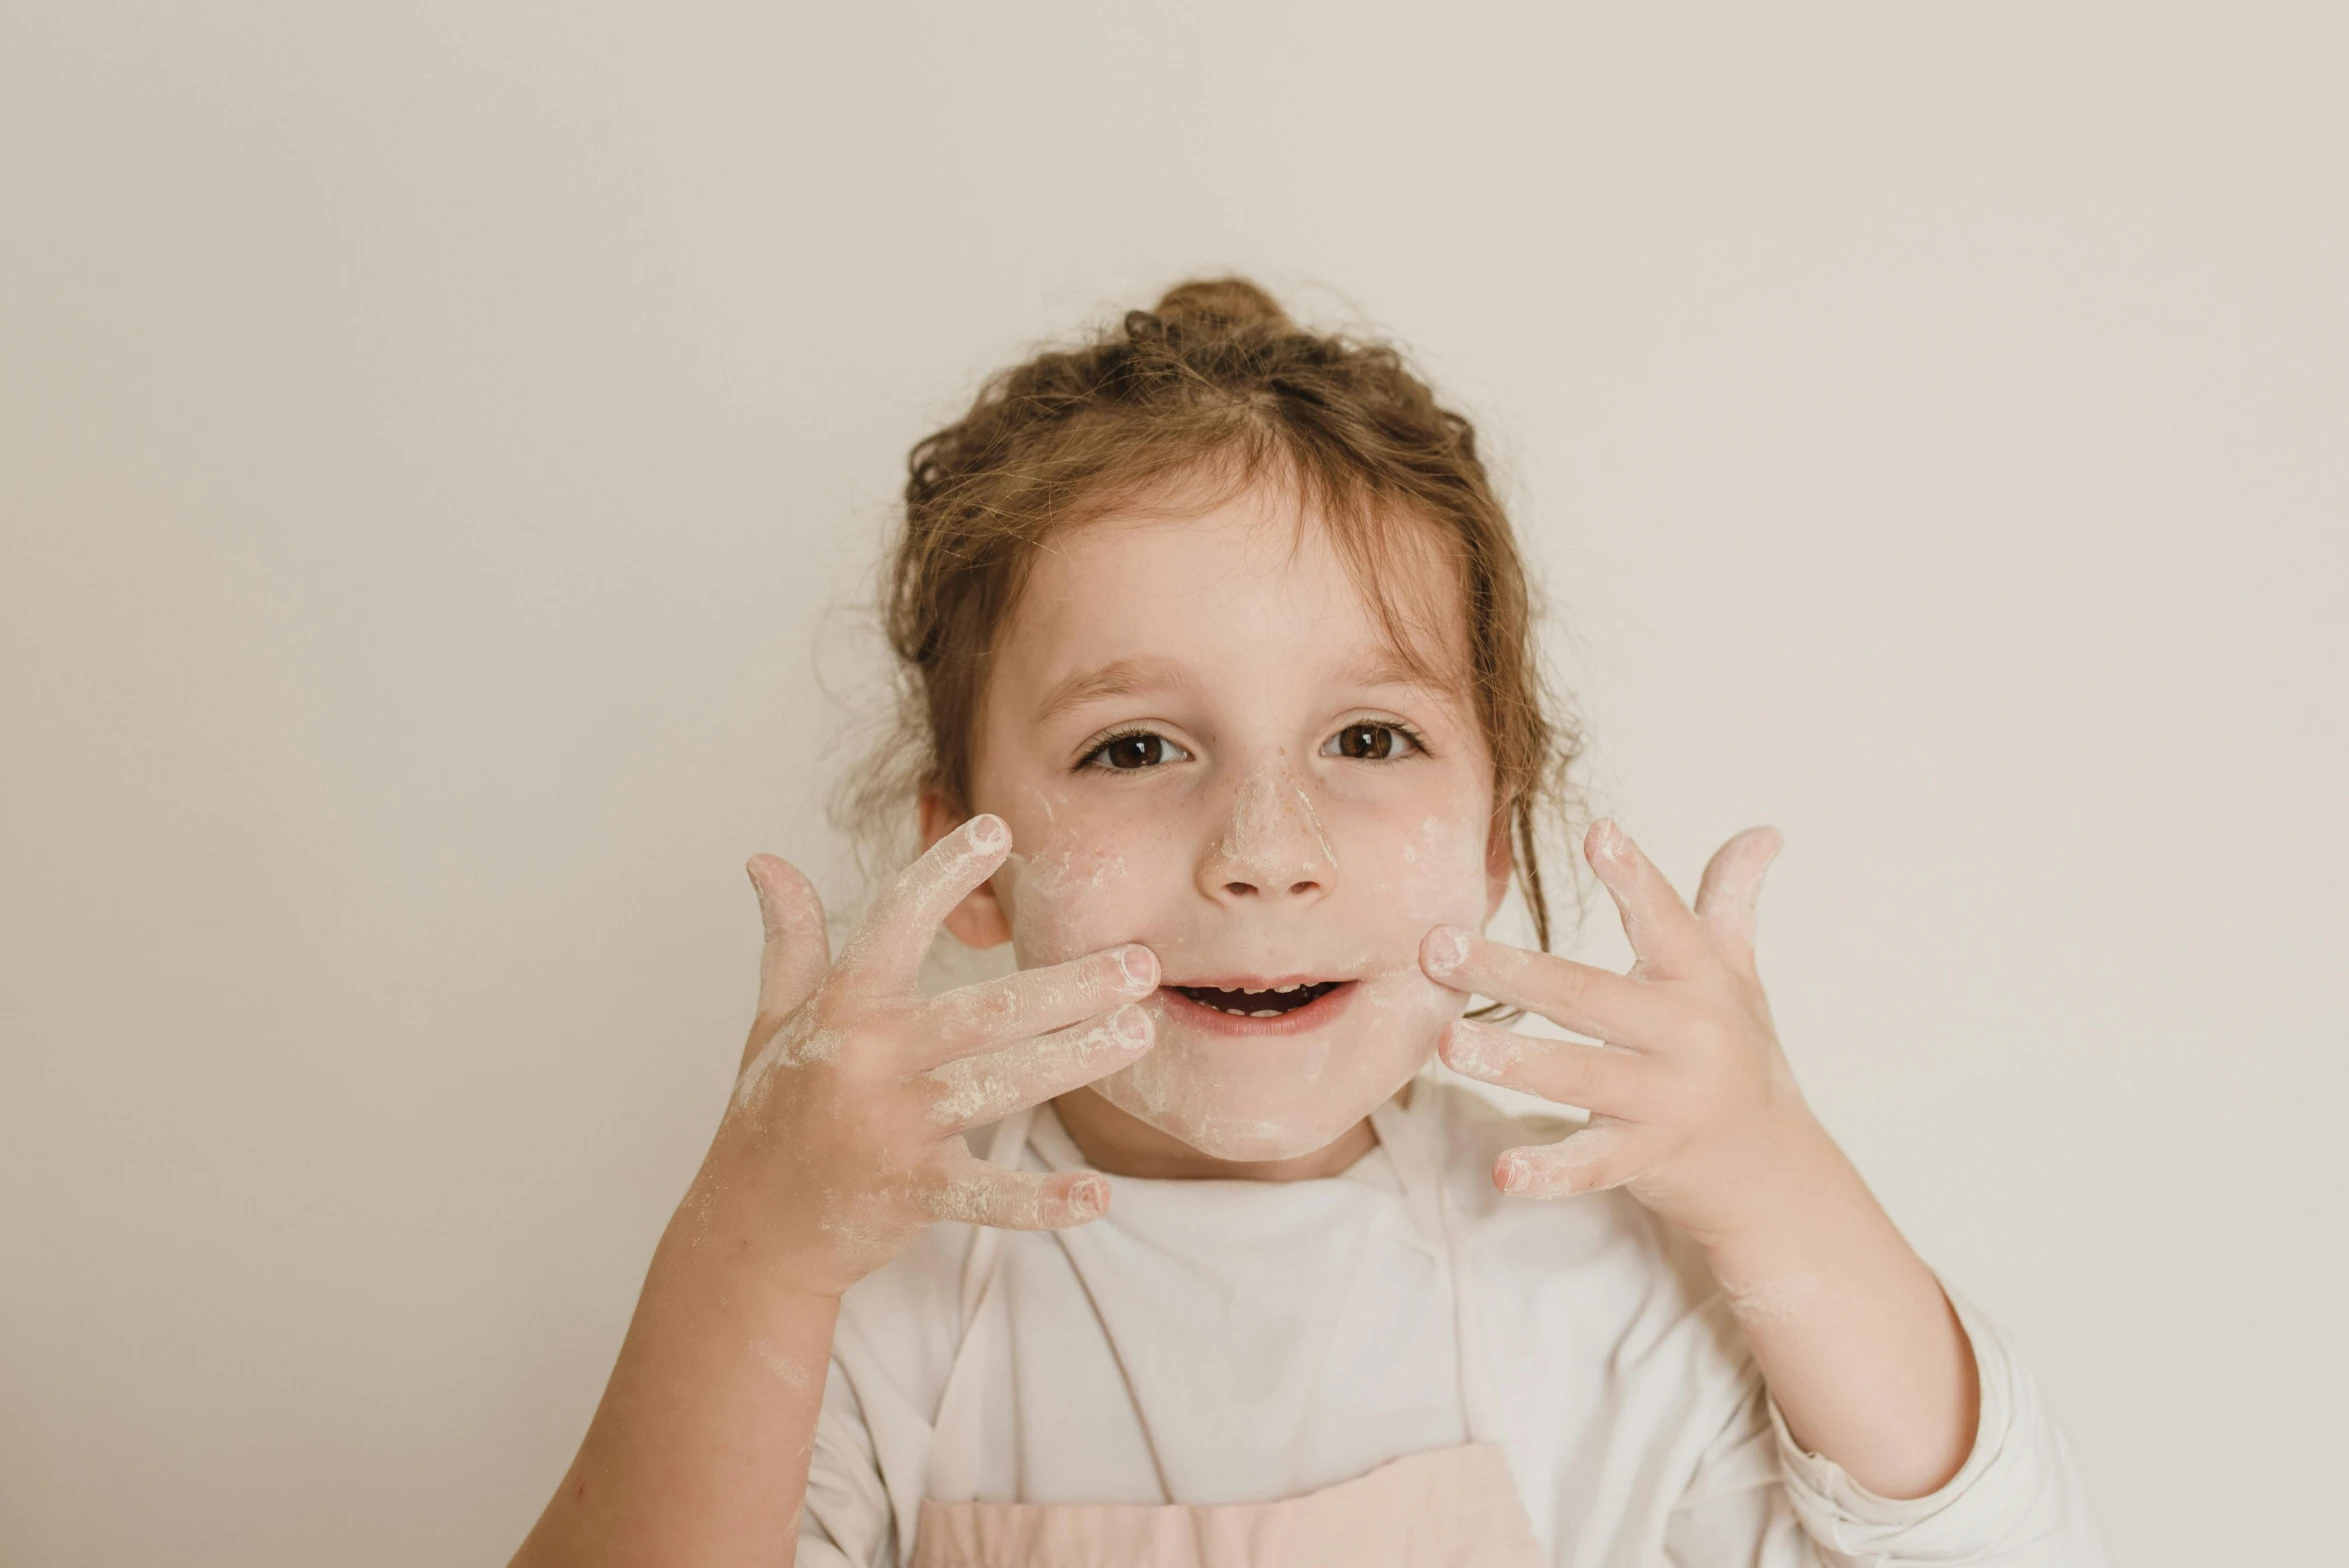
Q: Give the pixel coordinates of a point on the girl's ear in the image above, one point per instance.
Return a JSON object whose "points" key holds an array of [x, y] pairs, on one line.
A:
{"points": [[978, 921], [1500, 862]]}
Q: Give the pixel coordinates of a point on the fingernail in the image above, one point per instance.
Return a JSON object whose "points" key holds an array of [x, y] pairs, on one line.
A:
{"points": [[1510, 1173], [1447, 948], [1141, 965], [1469, 1049], [1607, 840], [989, 833], [758, 890], [1091, 1197], [1130, 1024]]}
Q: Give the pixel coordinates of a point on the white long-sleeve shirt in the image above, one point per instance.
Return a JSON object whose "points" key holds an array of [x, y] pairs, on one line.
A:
{"points": [[1218, 1342]]}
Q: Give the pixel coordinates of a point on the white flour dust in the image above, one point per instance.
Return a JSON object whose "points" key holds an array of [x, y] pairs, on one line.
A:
{"points": [[791, 1377], [1772, 1300]]}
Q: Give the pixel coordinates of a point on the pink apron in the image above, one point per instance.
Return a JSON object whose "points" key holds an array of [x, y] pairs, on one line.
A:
{"points": [[1445, 1508]]}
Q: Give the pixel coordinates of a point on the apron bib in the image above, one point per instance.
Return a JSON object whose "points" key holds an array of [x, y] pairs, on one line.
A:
{"points": [[1445, 1508]]}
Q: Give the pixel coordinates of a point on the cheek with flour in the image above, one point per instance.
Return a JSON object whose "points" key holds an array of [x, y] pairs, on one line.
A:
{"points": [[1067, 899], [1431, 874]]}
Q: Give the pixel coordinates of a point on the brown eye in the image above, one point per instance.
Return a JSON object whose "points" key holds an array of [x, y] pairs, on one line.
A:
{"points": [[1134, 751], [1365, 742], [1126, 753]]}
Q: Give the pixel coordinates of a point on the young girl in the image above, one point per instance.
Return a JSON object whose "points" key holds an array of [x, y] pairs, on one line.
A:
{"points": [[1224, 713]]}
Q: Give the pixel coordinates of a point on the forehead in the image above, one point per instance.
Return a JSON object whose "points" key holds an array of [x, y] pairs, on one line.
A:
{"points": [[1254, 583]]}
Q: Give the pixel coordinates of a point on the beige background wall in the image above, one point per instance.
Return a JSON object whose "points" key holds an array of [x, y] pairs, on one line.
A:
{"points": [[429, 436]]}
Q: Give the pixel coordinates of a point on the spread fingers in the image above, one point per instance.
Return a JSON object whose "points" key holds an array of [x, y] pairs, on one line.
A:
{"points": [[968, 1189], [975, 1090], [1604, 1154], [1035, 1001], [1665, 934], [1732, 886], [1583, 998], [1593, 1077], [796, 951], [888, 947]]}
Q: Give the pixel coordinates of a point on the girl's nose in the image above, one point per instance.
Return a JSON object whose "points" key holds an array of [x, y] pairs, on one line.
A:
{"points": [[1271, 845]]}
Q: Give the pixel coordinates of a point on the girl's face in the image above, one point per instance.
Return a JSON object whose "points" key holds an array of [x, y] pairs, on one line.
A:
{"points": [[1204, 742]]}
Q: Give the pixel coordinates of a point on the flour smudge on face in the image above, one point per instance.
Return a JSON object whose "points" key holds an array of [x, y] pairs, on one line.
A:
{"points": [[1194, 799]]}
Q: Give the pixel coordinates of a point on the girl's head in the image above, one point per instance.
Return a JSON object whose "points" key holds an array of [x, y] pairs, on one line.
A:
{"points": [[1225, 620]]}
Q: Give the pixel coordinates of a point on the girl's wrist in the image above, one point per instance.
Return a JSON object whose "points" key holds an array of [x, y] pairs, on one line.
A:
{"points": [[735, 1232], [1793, 1182], [1806, 1223], [718, 1261]]}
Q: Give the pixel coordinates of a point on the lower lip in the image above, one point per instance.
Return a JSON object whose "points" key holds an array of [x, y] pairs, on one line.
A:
{"points": [[1214, 1020]]}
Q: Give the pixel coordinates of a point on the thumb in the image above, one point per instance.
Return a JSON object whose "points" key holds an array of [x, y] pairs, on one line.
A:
{"points": [[797, 953], [1732, 886]]}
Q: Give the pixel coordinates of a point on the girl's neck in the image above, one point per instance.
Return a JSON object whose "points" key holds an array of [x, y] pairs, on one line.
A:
{"points": [[1123, 1145]]}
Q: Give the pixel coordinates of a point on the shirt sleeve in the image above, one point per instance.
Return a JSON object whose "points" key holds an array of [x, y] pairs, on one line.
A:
{"points": [[846, 1521], [1761, 1501]]}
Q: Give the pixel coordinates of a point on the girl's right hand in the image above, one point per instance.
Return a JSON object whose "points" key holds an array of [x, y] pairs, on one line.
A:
{"points": [[843, 1138]]}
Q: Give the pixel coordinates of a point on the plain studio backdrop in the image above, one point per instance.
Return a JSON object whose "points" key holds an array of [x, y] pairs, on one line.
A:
{"points": [[434, 439]]}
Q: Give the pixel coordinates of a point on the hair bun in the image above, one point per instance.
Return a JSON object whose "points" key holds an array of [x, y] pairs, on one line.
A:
{"points": [[1220, 305]]}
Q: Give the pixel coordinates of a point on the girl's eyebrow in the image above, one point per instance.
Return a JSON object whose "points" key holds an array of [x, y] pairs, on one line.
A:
{"points": [[1118, 678], [1383, 668], [1389, 668]]}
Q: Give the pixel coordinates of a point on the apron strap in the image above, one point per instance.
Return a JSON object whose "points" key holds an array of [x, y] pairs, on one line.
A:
{"points": [[954, 1436], [1415, 1146]]}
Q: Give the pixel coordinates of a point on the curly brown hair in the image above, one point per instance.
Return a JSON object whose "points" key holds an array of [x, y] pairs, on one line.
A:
{"points": [[1214, 385]]}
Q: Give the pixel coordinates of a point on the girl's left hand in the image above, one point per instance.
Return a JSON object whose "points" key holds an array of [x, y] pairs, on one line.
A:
{"points": [[1692, 1105]]}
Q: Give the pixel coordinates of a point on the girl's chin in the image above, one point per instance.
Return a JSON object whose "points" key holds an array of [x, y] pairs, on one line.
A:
{"points": [[1257, 1111]]}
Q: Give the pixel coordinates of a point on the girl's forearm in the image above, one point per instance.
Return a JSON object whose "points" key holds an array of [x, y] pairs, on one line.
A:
{"points": [[1861, 1349], [699, 1451]]}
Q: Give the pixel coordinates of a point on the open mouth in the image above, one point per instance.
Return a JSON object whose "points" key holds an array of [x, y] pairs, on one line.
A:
{"points": [[1251, 1002]]}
